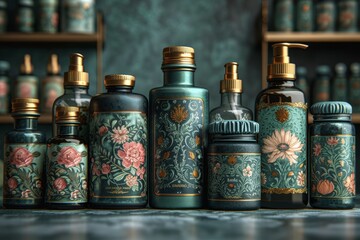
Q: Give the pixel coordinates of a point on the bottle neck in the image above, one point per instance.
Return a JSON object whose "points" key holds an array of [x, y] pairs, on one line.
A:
{"points": [[281, 83], [230, 98], [124, 89], [235, 138], [76, 89], [26, 123], [178, 77], [67, 129]]}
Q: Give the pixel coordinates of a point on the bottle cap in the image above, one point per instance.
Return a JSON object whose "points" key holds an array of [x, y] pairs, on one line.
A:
{"points": [[25, 106], [323, 70], [119, 80], [26, 67], [231, 127], [301, 71], [4, 66], [178, 55], [76, 76], [67, 115], [355, 68], [26, 2], [331, 107], [53, 66], [281, 66], [340, 69], [231, 82]]}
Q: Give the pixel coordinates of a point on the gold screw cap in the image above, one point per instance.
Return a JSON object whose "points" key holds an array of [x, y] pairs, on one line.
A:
{"points": [[281, 66], [26, 67], [67, 114], [76, 75], [53, 66], [231, 83], [28, 106], [178, 55], [119, 80]]}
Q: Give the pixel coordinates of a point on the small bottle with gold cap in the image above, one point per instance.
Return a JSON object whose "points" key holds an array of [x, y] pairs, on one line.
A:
{"points": [[26, 85], [118, 145], [24, 157], [230, 89], [52, 85], [281, 111], [178, 134], [76, 85], [67, 163]]}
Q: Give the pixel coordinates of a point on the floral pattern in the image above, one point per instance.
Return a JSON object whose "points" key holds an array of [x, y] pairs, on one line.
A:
{"points": [[332, 168], [67, 173], [23, 173], [234, 180], [118, 155], [178, 138]]}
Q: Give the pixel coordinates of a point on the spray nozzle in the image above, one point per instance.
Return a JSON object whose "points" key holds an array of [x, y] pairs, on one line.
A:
{"points": [[231, 83], [53, 66], [26, 67], [76, 74]]}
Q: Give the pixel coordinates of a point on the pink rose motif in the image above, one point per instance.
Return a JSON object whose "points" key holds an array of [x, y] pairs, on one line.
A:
{"points": [[133, 155], [140, 172], [74, 194], [12, 183], [120, 134], [131, 181], [69, 157], [26, 193], [21, 157], [3, 88], [103, 130], [95, 170], [105, 168], [60, 184]]}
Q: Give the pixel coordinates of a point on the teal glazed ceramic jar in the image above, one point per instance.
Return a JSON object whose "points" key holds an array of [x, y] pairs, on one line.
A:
{"points": [[234, 159], [178, 134], [284, 15], [24, 157], [25, 18], [49, 16], [332, 156], [305, 16], [118, 145]]}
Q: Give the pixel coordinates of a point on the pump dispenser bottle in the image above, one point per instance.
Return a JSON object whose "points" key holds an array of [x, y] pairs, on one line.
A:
{"points": [[26, 85], [281, 112], [230, 89], [76, 84]]}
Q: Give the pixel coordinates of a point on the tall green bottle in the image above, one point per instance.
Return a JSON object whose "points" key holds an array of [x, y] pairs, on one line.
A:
{"points": [[178, 134], [281, 112]]}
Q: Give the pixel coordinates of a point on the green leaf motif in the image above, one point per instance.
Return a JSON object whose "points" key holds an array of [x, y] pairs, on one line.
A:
{"points": [[84, 153], [36, 154], [120, 177], [53, 154]]}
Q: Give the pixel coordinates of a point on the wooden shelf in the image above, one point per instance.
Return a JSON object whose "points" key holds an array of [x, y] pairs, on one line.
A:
{"points": [[43, 119], [48, 38], [311, 37], [355, 118]]}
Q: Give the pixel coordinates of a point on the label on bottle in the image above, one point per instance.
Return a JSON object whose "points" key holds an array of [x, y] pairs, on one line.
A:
{"points": [[23, 171], [234, 176], [26, 87], [118, 144], [333, 166], [178, 143], [67, 173], [282, 138], [52, 89]]}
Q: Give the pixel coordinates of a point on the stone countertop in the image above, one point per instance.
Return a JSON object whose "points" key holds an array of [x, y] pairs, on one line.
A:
{"points": [[178, 224]]}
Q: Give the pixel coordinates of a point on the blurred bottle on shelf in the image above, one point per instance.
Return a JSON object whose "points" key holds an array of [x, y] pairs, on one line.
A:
{"points": [[302, 81], [3, 16], [347, 15], [26, 84], [354, 93], [78, 16], [325, 15], [49, 16], [4, 87], [25, 16], [305, 16], [321, 86], [284, 16], [339, 85]]}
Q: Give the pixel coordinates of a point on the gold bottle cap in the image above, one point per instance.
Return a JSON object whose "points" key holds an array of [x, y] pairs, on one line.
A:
{"points": [[178, 54], [26, 67], [67, 114], [231, 83], [76, 75], [119, 80], [28, 106], [53, 66], [281, 66]]}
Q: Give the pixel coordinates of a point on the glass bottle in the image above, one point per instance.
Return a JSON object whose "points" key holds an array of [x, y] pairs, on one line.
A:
{"points": [[302, 82], [325, 15], [305, 16], [339, 89], [354, 93], [178, 134], [76, 85], [3, 16], [284, 15], [25, 16], [332, 165], [118, 145], [4, 87], [24, 157], [67, 163], [281, 111], [26, 85], [234, 160], [348, 15], [52, 85], [231, 90], [321, 85], [49, 16]]}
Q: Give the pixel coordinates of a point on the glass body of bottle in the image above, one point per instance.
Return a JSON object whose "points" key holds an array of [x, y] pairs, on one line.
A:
{"points": [[118, 145], [24, 158], [178, 121]]}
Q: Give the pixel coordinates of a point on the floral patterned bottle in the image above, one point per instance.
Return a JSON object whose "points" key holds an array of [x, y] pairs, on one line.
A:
{"points": [[24, 159], [281, 112], [67, 163], [76, 84], [178, 134], [230, 89], [118, 145], [26, 84], [332, 165], [234, 166], [339, 89]]}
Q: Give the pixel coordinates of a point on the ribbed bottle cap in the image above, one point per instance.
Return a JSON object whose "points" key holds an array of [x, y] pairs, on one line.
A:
{"points": [[25, 106], [178, 55], [331, 107], [76, 76], [67, 115], [231, 83], [119, 80], [230, 127]]}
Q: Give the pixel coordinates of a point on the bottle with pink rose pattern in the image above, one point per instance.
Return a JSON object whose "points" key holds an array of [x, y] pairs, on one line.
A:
{"points": [[67, 164], [118, 145], [24, 157]]}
